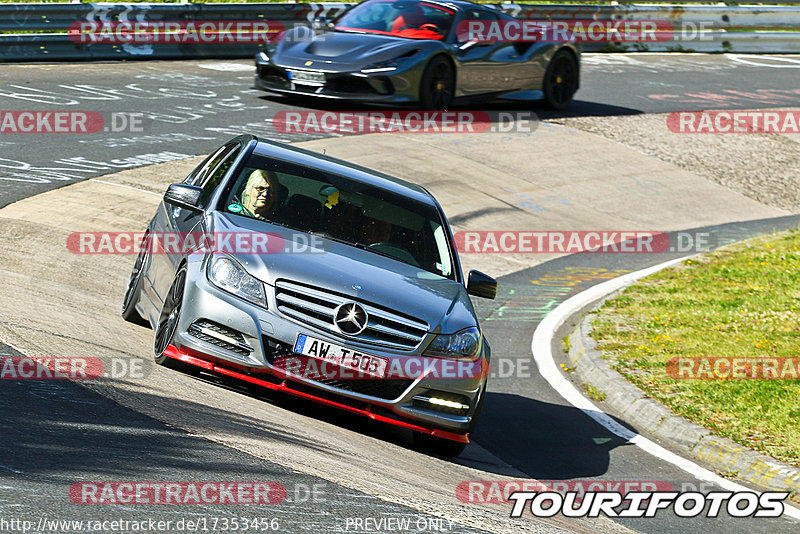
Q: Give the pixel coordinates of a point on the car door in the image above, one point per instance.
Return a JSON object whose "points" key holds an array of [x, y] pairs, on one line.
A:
{"points": [[485, 67], [174, 221]]}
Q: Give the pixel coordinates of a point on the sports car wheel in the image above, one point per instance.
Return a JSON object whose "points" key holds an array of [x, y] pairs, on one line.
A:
{"points": [[438, 85], [131, 297], [560, 80], [169, 318]]}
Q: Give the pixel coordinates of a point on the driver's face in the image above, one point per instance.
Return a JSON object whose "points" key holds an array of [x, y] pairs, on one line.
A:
{"points": [[260, 194]]}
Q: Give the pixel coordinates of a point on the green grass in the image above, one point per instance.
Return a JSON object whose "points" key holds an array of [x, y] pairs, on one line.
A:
{"points": [[741, 301], [594, 393]]}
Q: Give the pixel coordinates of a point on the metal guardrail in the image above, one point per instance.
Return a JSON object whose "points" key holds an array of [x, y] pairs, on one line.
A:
{"points": [[738, 28]]}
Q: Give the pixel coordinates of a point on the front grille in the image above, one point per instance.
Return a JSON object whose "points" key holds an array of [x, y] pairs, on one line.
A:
{"points": [[220, 336], [316, 307], [269, 73], [349, 84], [274, 349], [381, 389]]}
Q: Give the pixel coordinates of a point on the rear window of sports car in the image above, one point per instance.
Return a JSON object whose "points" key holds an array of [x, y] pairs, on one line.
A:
{"points": [[344, 210]]}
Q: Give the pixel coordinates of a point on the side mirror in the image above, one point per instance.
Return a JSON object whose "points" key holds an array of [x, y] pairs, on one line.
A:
{"points": [[481, 285], [320, 23], [184, 196]]}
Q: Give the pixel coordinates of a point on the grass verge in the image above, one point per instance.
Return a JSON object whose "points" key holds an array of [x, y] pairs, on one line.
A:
{"points": [[741, 301]]}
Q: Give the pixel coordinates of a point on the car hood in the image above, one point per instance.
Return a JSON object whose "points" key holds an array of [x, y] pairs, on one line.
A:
{"points": [[359, 274], [332, 50]]}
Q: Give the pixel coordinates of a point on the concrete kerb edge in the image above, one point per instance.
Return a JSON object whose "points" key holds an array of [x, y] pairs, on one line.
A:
{"points": [[636, 408]]}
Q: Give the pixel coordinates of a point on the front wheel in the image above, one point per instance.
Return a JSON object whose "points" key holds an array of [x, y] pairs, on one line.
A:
{"points": [[437, 88], [561, 80], [134, 288], [169, 318]]}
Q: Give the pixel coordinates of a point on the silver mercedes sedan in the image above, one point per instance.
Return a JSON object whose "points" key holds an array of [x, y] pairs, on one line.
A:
{"points": [[309, 275]]}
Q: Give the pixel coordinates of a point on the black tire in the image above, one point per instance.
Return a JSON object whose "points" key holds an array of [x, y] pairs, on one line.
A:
{"points": [[437, 88], [134, 288], [168, 319], [561, 80], [445, 447]]}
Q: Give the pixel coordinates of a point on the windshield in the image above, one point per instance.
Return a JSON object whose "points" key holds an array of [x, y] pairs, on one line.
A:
{"points": [[402, 18], [342, 209]]}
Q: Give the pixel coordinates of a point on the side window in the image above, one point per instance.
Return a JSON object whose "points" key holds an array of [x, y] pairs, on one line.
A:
{"points": [[201, 170], [218, 167], [477, 14]]}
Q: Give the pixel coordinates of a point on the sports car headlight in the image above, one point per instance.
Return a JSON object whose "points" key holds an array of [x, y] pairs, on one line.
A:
{"points": [[385, 66], [463, 344], [228, 275]]}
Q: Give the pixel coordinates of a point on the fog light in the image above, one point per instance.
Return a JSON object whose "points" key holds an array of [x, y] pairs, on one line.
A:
{"points": [[448, 404], [444, 403]]}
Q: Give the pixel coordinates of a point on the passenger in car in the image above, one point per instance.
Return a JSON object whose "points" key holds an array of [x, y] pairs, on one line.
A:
{"points": [[260, 194]]}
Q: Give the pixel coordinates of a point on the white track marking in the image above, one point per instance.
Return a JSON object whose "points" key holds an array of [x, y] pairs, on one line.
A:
{"points": [[541, 346], [124, 186], [758, 61], [228, 67]]}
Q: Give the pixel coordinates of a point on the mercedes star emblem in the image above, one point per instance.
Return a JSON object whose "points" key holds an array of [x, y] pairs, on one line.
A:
{"points": [[350, 318]]}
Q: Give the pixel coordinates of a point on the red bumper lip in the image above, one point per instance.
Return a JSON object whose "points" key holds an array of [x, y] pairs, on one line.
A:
{"points": [[177, 354]]}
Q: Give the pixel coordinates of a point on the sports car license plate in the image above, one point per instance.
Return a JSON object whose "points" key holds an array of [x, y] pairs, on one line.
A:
{"points": [[305, 77], [357, 361]]}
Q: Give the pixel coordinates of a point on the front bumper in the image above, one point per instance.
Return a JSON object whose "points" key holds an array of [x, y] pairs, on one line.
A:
{"points": [[397, 87], [265, 335]]}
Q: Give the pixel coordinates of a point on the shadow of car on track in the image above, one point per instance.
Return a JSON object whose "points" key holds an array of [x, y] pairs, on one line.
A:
{"points": [[578, 108], [545, 441], [61, 430]]}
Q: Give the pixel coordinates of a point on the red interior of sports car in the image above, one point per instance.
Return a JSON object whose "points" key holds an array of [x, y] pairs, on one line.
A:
{"points": [[413, 18]]}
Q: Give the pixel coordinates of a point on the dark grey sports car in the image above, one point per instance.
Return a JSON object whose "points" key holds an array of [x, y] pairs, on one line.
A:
{"points": [[416, 52]]}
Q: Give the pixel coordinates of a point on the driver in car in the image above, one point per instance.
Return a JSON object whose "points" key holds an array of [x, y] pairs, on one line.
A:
{"points": [[411, 17], [260, 194]]}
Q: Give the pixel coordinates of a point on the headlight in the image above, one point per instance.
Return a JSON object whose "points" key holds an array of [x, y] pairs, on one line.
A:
{"points": [[386, 66], [463, 344], [226, 273]]}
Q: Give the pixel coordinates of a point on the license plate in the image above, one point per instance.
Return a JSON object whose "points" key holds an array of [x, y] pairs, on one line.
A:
{"points": [[306, 77], [356, 361]]}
